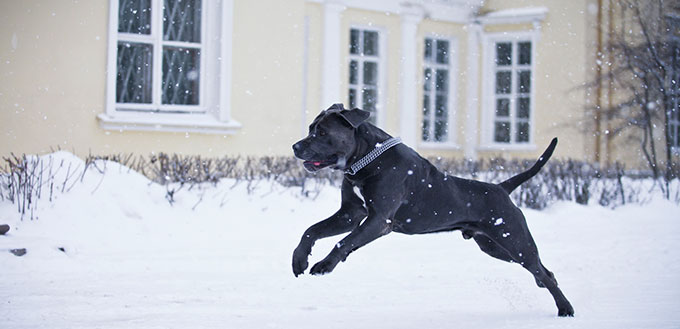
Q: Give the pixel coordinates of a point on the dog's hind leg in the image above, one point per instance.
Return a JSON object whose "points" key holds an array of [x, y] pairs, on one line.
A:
{"points": [[496, 251], [521, 248], [547, 279], [491, 248]]}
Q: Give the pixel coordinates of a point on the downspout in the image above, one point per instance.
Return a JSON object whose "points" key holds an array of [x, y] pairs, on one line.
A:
{"points": [[598, 86], [610, 83]]}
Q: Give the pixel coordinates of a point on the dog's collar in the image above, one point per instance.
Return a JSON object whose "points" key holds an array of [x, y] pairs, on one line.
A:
{"points": [[375, 153]]}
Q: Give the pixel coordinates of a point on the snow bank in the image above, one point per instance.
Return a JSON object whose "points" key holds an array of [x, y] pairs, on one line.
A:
{"points": [[219, 257]]}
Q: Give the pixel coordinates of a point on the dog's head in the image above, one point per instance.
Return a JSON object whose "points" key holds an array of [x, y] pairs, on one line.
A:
{"points": [[331, 138]]}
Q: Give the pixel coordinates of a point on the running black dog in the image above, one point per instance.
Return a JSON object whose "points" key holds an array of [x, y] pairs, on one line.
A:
{"points": [[405, 193]]}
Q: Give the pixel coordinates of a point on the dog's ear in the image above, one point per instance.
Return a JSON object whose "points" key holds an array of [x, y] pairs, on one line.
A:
{"points": [[336, 107], [355, 117]]}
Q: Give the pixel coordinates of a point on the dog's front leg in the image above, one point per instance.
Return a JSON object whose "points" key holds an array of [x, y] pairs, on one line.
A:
{"points": [[351, 213], [372, 228], [382, 204]]}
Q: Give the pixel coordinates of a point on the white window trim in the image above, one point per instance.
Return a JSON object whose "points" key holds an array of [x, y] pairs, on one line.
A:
{"points": [[515, 16], [488, 95], [332, 54], [451, 142], [215, 94], [454, 11], [382, 59]]}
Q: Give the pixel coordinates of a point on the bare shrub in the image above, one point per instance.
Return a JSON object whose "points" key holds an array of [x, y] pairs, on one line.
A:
{"points": [[24, 180]]}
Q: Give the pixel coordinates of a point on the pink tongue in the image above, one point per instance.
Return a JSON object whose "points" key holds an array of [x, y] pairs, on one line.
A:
{"points": [[317, 163]]}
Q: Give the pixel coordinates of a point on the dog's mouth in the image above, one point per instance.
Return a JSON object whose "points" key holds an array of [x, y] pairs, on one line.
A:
{"points": [[316, 165]]}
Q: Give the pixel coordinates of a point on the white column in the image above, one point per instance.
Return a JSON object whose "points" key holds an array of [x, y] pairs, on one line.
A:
{"points": [[410, 18], [332, 51], [472, 131], [226, 60]]}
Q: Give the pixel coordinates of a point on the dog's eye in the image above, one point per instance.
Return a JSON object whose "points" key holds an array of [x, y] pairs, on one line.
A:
{"points": [[321, 132]]}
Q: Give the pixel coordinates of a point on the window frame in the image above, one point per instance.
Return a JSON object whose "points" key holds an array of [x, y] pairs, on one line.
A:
{"points": [[489, 95], [674, 115], [451, 139], [212, 114], [674, 126], [380, 59]]}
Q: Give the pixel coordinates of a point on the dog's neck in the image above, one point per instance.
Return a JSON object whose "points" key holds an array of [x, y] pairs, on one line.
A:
{"points": [[367, 136]]}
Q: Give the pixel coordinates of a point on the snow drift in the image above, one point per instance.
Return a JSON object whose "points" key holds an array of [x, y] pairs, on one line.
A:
{"points": [[110, 251]]}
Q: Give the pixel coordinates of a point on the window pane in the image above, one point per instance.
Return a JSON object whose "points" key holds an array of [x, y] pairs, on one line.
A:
{"points": [[134, 16], [524, 53], [370, 73], [442, 51], [426, 106], [440, 130], [182, 20], [134, 67], [426, 130], [504, 53], [502, 107], [523, 104], [442, 80], [522, 132], [428, 49], [427, 84], [369, 99], [353, 72], [354, 41], [503, 82], [370, 43], [502, 132], [180, 76], [524, 81], [352, 98], [441, 106], [441, 118], [426, 118]]}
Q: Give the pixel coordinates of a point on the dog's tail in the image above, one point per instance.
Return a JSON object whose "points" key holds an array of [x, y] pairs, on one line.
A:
{"points": [[514, 181]]}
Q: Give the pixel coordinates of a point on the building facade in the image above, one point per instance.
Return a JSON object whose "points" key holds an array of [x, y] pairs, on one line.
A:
{"points": [[458, 78]]}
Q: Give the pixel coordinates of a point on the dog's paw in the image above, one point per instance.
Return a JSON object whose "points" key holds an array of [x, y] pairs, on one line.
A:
{"points": [[565, 311], [299, 261], [323, 267]]}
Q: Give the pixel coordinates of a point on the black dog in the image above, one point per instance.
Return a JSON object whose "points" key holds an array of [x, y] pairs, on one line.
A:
{"points": [[405, 193]]}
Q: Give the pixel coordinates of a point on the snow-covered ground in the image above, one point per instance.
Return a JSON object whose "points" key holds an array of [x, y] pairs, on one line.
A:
{"points": [[220, 258]]}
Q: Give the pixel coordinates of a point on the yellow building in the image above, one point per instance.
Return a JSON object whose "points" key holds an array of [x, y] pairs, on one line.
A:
{"points": [[468, 78]]}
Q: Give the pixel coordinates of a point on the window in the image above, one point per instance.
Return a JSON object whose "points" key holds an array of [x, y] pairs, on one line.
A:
{"points": [[512, 91], [364, 67], [436, 86], [159, 71], [169, 66]]}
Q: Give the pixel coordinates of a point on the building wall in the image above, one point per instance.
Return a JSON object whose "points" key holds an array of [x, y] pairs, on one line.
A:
{"points": [[53, 80], [53, 57], [314, 46], [561, 71]]}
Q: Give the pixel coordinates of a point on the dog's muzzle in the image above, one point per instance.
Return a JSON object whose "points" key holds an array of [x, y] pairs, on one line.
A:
{"points": [[312, 163]]}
